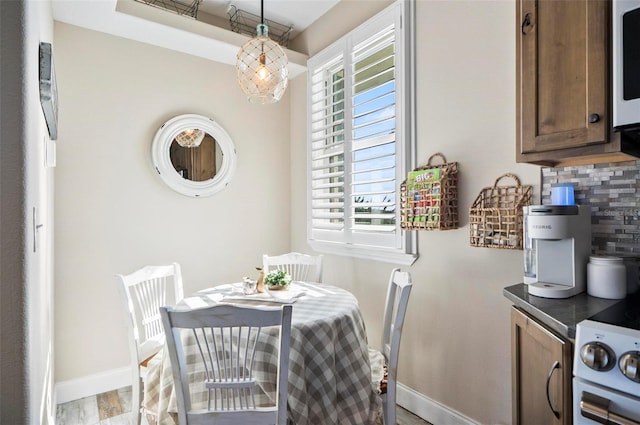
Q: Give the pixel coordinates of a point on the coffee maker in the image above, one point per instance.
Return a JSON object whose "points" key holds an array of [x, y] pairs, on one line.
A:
{"points": [[557, 246]]}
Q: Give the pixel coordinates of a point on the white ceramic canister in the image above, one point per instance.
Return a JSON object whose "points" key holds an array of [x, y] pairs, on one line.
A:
{"points": [[606, 277]]}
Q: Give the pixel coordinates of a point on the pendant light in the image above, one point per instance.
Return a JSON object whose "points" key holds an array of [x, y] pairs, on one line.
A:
{"points": [[190, 138], [262, 68]]}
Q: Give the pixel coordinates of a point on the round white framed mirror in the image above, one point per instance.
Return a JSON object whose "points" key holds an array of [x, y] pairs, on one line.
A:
{"points": [[194, 155]]}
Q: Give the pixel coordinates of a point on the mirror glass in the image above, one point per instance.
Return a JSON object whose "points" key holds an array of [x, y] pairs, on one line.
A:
{"points": [[196, 163], [194, 155]]}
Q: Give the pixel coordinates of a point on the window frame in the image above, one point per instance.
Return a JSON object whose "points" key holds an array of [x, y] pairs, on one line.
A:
{"points": [[403, 250]]}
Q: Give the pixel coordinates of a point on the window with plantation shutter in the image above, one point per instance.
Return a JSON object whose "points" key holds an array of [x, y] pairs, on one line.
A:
{"points": [[360, 140]]}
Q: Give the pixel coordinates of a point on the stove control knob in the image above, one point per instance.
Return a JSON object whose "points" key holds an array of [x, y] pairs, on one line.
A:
{"points": [[629, 365], [597, 356]]}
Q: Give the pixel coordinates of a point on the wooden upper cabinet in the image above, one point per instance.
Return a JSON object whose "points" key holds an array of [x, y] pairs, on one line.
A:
{"points": [[563, 86], [563, 74]]}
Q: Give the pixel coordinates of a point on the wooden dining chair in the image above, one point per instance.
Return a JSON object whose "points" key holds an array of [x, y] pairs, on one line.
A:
{"points": [[143, 292], [228, 338], [301, 267], [396, 303]]}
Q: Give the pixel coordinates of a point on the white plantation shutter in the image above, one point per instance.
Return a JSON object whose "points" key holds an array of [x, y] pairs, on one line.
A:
{"points": [[327, 150], [358, 143], [372, 149]]}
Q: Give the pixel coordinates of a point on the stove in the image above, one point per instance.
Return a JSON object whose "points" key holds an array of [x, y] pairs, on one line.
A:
{"points": [[625, 313], [606, 366]]}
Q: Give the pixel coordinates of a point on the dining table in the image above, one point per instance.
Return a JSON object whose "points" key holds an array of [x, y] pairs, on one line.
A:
{"points": [[329, 371]]}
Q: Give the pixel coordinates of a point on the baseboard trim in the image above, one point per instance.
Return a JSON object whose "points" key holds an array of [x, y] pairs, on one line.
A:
{"points": [[422, 406], [429, 410], [75, 389]]}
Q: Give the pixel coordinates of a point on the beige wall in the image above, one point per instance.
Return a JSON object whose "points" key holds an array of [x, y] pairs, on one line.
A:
{"points": [[456, 342], [114, 214], [26, 289]]}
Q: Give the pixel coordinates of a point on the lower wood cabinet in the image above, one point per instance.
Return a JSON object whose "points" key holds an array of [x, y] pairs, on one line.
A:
{"points": [[541, 363]]}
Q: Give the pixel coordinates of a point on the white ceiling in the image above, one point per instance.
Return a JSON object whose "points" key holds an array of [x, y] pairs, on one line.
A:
{"points": [[152, 25], [297, 13]]}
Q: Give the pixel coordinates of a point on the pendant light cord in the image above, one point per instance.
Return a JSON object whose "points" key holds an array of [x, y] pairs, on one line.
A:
{"points": [[262, 56]]}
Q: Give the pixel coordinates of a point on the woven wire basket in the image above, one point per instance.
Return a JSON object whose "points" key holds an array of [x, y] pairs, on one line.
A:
{"points": [[429, 196], [245, 23], [186, 8], [496, 216]]}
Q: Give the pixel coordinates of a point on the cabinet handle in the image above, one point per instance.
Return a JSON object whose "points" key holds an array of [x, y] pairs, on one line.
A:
{"points": [[526, 23], [593, 118], [555, 366]]}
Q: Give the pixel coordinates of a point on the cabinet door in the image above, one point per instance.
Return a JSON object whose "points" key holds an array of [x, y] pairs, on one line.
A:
{"points": [[541, 373], [562, 51]]}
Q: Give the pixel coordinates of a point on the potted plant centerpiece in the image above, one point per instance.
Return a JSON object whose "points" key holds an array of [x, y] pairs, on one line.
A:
{"points": [[277, 280]]}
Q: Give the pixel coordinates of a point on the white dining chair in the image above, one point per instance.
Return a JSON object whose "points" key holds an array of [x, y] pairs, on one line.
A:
{"points": [[143, 292], [386, 360], [303, 267], [228, 341]]}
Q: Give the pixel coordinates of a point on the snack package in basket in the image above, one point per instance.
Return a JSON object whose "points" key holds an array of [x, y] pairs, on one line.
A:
{"points": [[423, 189]]}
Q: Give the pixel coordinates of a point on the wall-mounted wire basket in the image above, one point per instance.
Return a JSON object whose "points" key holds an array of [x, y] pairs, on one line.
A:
{"points": [[496, 216], [429, 196], [245, 23], [186, 7]]}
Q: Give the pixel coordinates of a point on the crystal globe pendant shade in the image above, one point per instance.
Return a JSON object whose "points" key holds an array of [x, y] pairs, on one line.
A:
{"points": [[262, 68], [190, 138]]}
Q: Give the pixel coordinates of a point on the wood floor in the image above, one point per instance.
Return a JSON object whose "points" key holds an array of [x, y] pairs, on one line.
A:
{"points": [[404, 417], [114, 408]]}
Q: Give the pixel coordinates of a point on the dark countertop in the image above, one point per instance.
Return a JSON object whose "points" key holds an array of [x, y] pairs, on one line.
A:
{"points": [[560, 315]]}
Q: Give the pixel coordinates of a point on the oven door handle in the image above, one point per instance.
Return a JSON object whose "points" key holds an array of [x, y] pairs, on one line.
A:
{"points": [[596, 408], [555, 366]]}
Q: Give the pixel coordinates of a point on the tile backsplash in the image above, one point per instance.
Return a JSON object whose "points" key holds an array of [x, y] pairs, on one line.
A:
{"points": [[613, 192]]}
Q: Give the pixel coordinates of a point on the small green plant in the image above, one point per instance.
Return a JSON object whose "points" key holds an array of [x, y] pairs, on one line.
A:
{"points": [[277, 278]]}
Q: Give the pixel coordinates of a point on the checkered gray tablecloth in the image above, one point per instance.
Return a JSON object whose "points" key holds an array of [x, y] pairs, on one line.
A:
{"points": [[329, 371]]}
